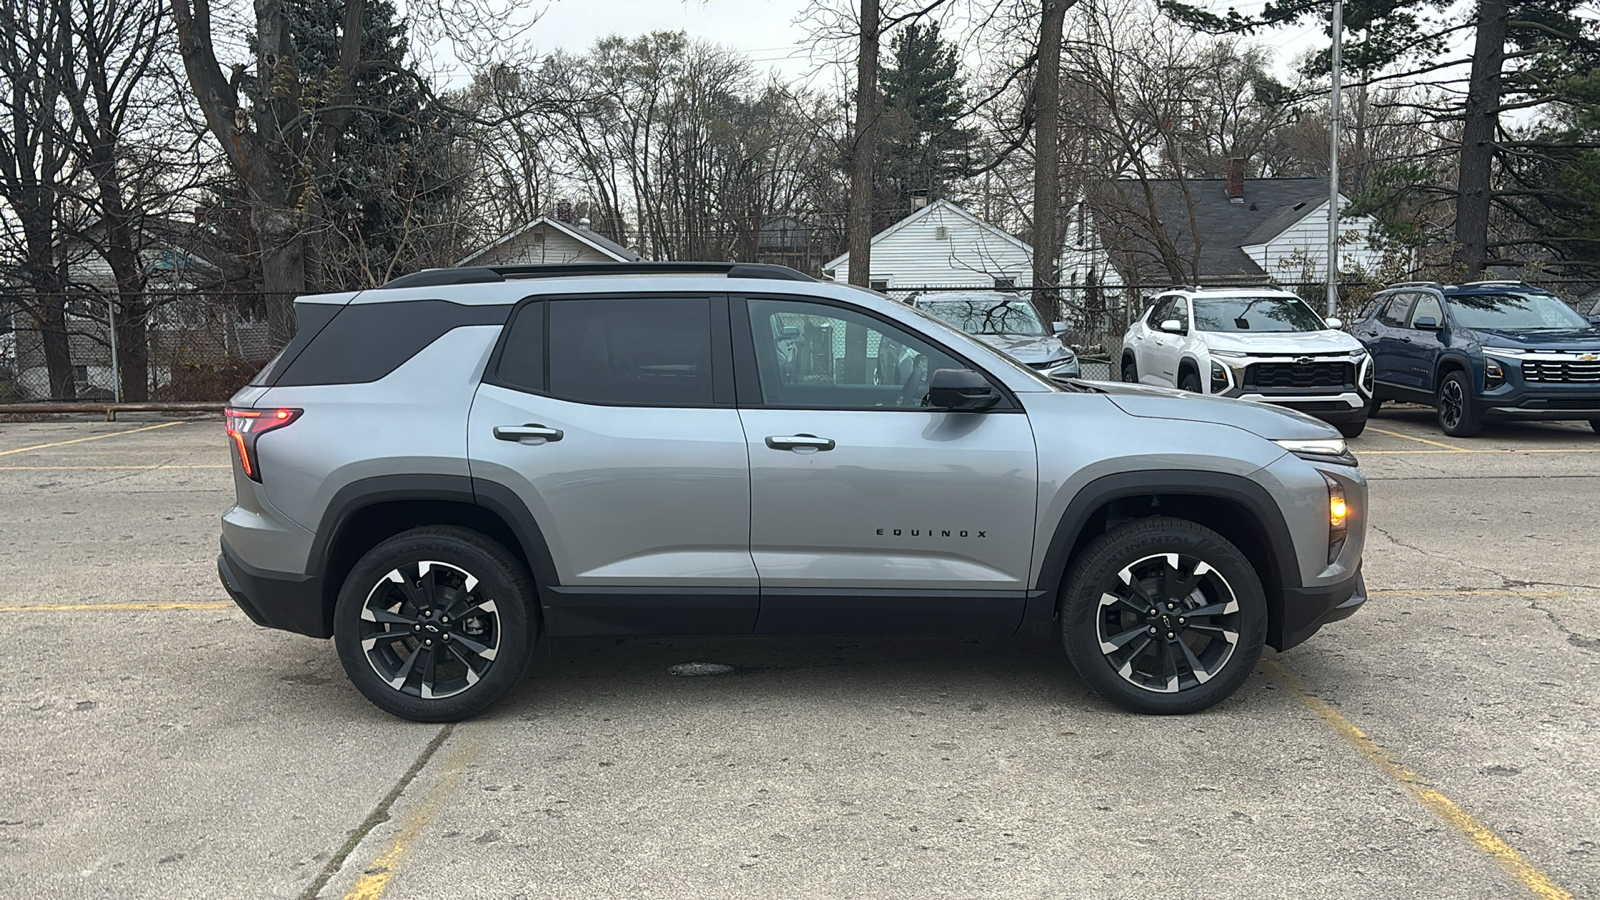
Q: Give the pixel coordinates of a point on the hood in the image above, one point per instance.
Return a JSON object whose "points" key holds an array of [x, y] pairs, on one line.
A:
{"points": [[1263, 419], [1286, 343], [1028, 348], [1565, 339]]}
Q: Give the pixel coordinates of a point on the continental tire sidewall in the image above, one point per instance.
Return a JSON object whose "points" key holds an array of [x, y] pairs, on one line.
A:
{"points": [[501, 575], [1097, 567]]}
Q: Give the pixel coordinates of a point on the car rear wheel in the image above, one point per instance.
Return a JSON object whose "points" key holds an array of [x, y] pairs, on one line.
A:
{"points": [[433, 624], [1595, 424], [1457, 415], [1130, 372], [1164, 616]]}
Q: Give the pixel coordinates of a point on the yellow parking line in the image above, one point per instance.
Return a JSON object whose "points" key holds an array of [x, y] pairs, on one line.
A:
{"points": [[1430, 797], [1470, 592], [1489, 450], [92, 607], [98, 468], [1417, 439], [375, 878], [98, 437]]}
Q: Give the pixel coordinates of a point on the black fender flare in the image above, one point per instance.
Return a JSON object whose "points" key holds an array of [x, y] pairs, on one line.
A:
{"points": [[1266, 518], [492, 497]]}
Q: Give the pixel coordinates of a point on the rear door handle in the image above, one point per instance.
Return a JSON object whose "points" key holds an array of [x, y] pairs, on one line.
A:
{"points": [[799, 441], [522, 432]]}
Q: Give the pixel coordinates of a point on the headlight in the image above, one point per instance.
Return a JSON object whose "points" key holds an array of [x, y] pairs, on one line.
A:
{"points": [[1333, 450], [1230, 356], [1506, 352], [1494, 374], [1358, 354], [1338, 517]]}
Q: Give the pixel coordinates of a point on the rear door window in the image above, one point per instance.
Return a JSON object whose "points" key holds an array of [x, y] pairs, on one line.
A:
{"points": [[631, 351]]}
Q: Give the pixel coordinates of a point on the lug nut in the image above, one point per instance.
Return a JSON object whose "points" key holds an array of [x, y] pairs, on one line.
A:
{"points": [[445, 636], [1172, 606], [1152, 629], [1180, 620], [1170, 636]]}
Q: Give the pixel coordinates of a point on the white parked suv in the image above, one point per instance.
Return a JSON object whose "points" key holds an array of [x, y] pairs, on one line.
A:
{"points": [[1254, 344]]}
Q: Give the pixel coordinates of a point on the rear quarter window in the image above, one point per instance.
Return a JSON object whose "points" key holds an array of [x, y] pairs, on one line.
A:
{"points": [[367, 341]]}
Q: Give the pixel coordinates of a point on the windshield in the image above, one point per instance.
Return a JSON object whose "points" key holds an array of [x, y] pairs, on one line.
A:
{"points": [[998, 316], [1255, 315], [1514, 312]]}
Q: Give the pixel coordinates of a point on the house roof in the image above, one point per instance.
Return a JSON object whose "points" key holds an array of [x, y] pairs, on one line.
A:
{"points": [[1271, 206], [942, 205], [599, 242]]}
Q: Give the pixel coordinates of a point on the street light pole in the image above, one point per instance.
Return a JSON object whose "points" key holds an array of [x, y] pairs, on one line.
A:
{"points": [[1333, 161]]}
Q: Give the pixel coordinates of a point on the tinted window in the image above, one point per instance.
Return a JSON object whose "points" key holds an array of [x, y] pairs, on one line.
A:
{"points": [[1429, 307], [631, 352], [1158, 313], [1255, 315], [367, 341], [814, 356], [1398, 310], [1514, 312], [522, 358]]}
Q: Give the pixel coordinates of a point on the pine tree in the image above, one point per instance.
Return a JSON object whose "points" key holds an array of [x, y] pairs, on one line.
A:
{"points": [[922, 145]]}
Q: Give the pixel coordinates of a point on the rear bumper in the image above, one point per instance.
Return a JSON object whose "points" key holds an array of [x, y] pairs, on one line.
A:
{"points": [[275, 599], [1305, 610]]}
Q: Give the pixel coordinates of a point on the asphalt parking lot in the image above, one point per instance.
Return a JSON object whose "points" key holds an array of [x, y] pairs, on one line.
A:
{"points": [[1442, 743]]}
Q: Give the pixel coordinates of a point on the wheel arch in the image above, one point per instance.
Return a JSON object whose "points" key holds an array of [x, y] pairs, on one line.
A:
{"points": [[367, 511], [1448, 364], [1234, 506]]}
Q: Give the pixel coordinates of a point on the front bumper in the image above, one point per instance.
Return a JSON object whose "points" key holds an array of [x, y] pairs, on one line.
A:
{"points": [[276, 599], [1305, 610]]}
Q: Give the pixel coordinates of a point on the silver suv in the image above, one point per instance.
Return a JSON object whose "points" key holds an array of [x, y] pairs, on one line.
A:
{"points": [[439, 471]]}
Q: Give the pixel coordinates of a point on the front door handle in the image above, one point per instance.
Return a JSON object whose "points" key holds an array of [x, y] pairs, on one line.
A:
{"points": [[799, 441], [1372, 334], [523, 432], [1405, 340]]}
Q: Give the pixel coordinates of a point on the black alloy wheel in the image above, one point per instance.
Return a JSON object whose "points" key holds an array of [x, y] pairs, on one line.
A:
{"points": [[1189, 382], [1163, 615], [432, 624], [1457, 415]]}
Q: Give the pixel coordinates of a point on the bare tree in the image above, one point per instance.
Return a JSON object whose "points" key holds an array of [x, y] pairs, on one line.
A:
{"points": [[1047, 158], [34, 164]]}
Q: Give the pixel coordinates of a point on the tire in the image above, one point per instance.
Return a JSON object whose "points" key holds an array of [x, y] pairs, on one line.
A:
{"points": [[470, 660], [1458, 417], [1352, 428], [1374, 406], [1162, 675], [1595, 424], [1190, 381], [1130, 372]]}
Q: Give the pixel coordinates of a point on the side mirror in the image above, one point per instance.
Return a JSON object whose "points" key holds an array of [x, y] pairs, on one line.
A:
{"points": [[961, 389], [1059, 327], [1594, 319], [1334, 322], [1426, 323], [1172, 326]]}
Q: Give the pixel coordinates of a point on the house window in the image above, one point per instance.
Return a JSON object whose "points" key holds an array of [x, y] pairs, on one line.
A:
{"points": [[941, 233], [879, 284], [1005, 284]]}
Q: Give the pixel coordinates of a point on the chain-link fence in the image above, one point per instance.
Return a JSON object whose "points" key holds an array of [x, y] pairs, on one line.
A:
{"points": [[159, 346]]}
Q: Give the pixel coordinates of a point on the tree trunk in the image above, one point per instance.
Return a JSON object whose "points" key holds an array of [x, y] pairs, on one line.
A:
{"points": [[1047, 161], [1482, 116], [283, 268], [865, 147]]}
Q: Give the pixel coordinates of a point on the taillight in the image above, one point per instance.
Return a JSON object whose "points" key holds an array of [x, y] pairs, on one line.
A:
{"points": [[246, 426]]}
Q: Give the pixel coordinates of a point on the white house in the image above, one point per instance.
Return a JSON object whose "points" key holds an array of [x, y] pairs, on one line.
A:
{"points": [[1220, 231], [551, 241], [942, 245]]}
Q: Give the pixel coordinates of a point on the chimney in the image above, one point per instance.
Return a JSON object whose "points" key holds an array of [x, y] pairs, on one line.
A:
{"points": [[1236, 180]]}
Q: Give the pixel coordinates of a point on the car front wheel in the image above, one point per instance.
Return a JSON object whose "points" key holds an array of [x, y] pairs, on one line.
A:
{"points": [[1457, 415], [434, 624], [1130, 372], [1595, 424], [1163, 615]]}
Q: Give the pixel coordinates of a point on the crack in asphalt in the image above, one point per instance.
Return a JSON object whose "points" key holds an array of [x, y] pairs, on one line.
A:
{"points": [[379, 815], [1575, 638]]}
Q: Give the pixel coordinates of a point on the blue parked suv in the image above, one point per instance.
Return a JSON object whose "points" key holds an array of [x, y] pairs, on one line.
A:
{"points": [[1487, 349]]}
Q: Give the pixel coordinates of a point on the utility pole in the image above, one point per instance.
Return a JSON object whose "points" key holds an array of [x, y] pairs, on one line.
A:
{"points": [[1333, 161]]}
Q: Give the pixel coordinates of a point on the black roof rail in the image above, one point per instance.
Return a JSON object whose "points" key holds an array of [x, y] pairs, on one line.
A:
{"points": [[1406, 284], [487, 274]]}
